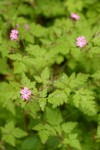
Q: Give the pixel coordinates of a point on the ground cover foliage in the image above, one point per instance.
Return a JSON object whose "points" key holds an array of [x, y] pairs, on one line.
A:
{"points": [[62, 110]]}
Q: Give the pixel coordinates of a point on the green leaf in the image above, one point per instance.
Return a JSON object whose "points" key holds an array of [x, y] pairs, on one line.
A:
{"points": [[56, 119], [39, 30], [35, 50], [7, 133], [42, 103], [44, 131], [19, 133], [45, 75], [96, 41], [73, 141], [4, 67], [4, 48], [10, 133], [57, 98], [77, 81], [96, 75], [31, 143], [72, 82], [27, 82], [44, 134], [32, 108], [84, 100], [61, 46], [19, 67], [17, 56], [11, 94], [9, 139], [38, 127], [68, 127]]}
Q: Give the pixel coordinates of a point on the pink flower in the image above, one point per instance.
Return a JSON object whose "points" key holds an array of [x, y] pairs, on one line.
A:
{"points": [[75, 16], [81, 41], [27, 26], [17, 25], [14, 34], [25, 93]]}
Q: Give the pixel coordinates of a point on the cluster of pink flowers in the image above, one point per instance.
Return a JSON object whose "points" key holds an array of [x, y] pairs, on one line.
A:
{"points": [[14, 34], [25, 93], [81, 41], [75, 16]]}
